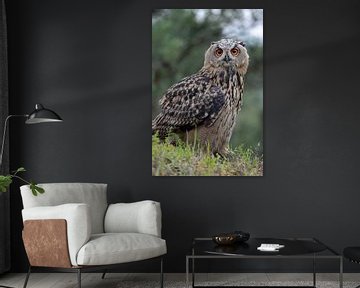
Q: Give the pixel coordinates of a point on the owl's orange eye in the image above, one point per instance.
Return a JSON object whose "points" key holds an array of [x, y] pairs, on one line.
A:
{"points": [[235, 51], [218, 52]]}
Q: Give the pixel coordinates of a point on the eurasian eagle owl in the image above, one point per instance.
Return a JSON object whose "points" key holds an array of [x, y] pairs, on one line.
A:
{"points": [[204, 106]]}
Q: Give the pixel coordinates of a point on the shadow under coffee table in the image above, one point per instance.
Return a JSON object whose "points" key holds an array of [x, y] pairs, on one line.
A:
{"points": [[295, 248]]}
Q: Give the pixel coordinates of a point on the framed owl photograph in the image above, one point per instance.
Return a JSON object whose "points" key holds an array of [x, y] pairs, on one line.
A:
{"points": [[207, 92]]}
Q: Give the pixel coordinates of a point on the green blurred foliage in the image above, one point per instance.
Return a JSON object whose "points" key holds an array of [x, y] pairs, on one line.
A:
{"points": [[180, 38]]}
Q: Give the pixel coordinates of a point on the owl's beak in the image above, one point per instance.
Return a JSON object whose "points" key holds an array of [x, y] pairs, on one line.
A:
{"points": [[227, 59]]}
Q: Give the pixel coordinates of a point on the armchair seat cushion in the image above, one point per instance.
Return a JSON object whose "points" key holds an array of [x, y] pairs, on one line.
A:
{"points": [[113, 248]]}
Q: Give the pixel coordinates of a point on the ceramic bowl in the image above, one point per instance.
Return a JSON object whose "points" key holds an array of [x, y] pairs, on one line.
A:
{"points": [[225, 239]]}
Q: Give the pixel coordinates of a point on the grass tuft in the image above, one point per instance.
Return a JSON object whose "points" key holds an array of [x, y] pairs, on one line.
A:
{"points": [[190, 160]]}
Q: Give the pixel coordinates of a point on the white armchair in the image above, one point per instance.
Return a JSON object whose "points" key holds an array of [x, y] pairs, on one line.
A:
{"points": [[72, 228]]}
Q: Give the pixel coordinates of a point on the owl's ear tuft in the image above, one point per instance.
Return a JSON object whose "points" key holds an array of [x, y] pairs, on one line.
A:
{"points": [[242, 43]]}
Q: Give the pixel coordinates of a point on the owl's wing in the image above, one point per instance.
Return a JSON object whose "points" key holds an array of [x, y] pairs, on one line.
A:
{"points": [[193, 101]]}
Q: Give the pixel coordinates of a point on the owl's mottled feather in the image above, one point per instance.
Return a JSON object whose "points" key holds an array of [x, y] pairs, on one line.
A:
{"points": [[207, 101], [193, 101]]}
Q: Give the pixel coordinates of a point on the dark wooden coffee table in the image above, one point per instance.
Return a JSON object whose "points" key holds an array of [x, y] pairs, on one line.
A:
{"points": [[294, 248]]}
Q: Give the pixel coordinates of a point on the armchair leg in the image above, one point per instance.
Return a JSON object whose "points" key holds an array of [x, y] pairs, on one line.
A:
{"points": [[79, 277], [103, 275], [161, 273], [27, 277]]}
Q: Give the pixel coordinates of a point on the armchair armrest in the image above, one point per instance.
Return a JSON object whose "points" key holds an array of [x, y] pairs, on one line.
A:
{"points": [[78, 223], [138, 217]]}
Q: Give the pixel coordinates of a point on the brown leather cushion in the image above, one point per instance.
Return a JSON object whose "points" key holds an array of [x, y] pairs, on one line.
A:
{"points": [[46, 244]]}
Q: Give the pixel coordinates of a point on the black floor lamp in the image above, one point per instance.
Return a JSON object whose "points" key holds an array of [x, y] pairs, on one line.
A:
{"points": [[39, 115]]}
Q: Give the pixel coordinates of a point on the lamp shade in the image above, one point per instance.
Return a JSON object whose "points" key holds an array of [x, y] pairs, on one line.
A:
{"points": [[42, 115]]}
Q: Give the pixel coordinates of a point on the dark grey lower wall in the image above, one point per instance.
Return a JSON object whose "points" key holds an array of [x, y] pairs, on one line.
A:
{"points": [[78, 58]]}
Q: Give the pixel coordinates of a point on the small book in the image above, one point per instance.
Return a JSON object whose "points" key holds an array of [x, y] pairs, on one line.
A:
{"points": [[270, 247]]}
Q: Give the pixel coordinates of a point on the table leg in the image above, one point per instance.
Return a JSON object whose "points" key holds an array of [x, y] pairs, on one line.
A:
{"points": [[193, 272], [187, 272], [314, 271], [341, 273]]}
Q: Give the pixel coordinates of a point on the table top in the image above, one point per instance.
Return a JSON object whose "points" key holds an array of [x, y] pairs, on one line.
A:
{"points": [[292, 247]]}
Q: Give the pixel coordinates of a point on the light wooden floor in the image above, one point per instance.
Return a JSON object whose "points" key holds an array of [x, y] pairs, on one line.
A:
{"points": [[68, 280]]}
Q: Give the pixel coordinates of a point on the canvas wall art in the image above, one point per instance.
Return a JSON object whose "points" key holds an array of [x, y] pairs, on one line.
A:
{"points": [[207, 92]]}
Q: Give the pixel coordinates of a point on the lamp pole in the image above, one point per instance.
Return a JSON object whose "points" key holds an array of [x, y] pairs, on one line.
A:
{"points": [[2, 152], [4, 134]]}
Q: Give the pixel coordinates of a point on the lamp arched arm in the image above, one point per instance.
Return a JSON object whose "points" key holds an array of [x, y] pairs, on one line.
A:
{"points": [[4, 134]]}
